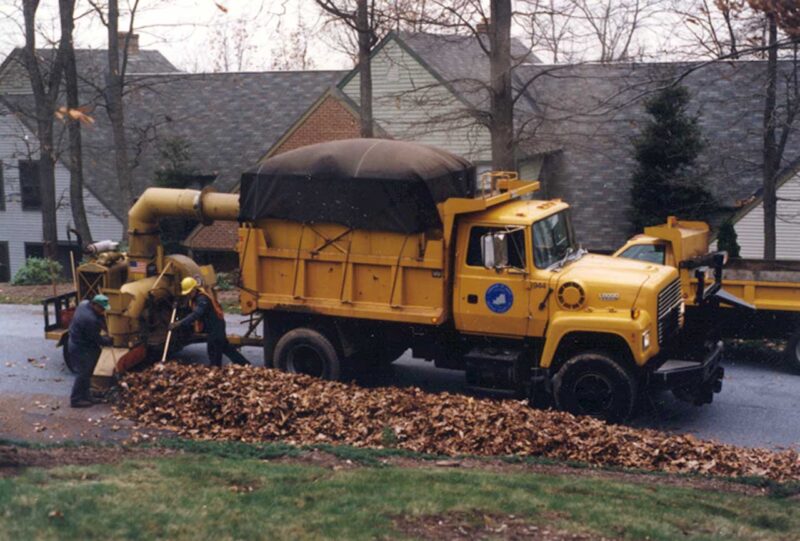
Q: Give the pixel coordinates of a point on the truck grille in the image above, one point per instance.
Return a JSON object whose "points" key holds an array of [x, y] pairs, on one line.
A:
{"points": [[669, 313]]}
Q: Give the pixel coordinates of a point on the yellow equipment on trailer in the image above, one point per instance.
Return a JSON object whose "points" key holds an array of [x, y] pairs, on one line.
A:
{"points": [[769, 291]]}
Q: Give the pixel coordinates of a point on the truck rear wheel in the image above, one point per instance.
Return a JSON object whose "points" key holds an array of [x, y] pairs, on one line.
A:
{"points": [[594, 384], [306, 351], [792, 352]]}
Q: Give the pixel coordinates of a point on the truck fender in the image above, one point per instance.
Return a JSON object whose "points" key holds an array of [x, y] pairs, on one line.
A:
{"points": [[618, 325]]}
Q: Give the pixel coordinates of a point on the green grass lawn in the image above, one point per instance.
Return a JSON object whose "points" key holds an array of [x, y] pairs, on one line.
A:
{"points": [[210, 496]]}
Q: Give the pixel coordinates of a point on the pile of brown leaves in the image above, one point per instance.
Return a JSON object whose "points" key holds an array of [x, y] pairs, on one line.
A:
{"points": [[256, 404]]}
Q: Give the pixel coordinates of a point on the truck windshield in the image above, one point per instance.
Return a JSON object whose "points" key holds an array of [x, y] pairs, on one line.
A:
{"points": [[553, 240], [654, 253]]}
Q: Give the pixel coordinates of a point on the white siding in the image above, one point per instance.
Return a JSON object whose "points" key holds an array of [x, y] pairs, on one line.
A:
{"points": [[750, 228], [410, 104], [18, 226]]}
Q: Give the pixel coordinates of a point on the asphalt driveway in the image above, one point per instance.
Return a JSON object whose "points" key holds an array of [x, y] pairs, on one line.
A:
{"points": [[758, 406]]}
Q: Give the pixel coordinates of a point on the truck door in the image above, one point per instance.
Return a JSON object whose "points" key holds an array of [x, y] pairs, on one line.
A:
{"points": [[489, 301]]}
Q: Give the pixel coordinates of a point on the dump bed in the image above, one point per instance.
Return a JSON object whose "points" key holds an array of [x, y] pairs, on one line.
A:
{"points": [[768, 285], [338, 271], [351, 228]]}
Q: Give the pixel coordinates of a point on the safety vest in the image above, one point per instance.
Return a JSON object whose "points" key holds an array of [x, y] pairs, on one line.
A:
{"points": [[212, 296]]}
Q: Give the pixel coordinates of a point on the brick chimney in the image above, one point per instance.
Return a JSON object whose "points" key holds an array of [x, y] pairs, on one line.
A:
{"points": [[483, 26], [133, 42]]}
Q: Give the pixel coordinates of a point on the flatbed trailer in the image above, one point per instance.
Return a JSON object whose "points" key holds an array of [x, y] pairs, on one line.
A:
{"points": [[757, 298]]}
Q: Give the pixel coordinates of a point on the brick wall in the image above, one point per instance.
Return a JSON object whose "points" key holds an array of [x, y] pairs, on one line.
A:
{"points": [[330, 121]]}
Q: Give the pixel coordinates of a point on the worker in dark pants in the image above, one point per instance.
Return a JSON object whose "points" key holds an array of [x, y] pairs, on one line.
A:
{"points": [[85, 344], [208, 317]]}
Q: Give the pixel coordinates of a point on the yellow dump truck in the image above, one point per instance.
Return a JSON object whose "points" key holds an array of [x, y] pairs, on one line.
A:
{"points": [[352, 252], [755, 298]]}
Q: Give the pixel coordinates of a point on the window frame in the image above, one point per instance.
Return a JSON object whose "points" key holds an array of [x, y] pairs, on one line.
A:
{"points": [[34, 166], [2, 187], [5, 260], [570, 235], [498, 228]]}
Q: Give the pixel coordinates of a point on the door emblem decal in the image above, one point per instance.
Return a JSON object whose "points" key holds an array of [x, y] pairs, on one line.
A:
{"points": [[499, 298]]}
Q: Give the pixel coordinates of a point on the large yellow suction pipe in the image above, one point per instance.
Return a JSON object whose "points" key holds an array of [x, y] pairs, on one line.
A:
{"points": [[156, 203]]}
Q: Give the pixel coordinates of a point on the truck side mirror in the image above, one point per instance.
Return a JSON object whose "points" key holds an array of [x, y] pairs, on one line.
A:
{"points": [[494, 250]]}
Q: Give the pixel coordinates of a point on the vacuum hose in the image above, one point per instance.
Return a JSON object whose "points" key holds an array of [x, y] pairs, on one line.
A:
{"points": [[156, 203]]}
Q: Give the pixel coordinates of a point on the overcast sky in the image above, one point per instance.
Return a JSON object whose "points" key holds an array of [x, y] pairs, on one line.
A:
{"points": [[188, 32]]}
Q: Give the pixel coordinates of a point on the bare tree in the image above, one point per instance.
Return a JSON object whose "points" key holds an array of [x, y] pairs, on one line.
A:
{"points": [[588, 30], [717, 28], [67, 17], [45, 87], [233, 46], [362, 19], [118, 50], [786, 15], [292, 52], [502, 103]]}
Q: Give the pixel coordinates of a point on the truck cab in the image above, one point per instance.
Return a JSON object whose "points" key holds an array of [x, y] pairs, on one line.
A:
{"points": [[588, 324]]}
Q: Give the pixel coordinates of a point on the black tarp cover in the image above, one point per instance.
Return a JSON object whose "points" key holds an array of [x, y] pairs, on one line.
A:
{"points": [[362, 183]]}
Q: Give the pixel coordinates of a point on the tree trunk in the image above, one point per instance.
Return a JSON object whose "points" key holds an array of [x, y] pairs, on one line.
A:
{"points": [[47, 182], [116, 113], [66, 11], [770, 154], [502, 113], [44, 95], [364, 68]]}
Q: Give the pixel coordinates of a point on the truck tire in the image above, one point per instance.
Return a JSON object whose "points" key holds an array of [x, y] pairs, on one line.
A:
{"points": [[792, 353], [306, 351], [67, 359], [592, 383]]}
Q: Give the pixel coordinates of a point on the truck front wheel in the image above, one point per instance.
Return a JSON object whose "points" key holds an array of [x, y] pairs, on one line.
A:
{"points": [[306, 351], [594, 384]]}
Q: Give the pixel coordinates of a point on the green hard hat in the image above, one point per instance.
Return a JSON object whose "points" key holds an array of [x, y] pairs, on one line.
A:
{"points": [[102, 300]]}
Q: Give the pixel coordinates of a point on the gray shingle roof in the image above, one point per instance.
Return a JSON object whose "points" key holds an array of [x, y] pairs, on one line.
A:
{"points": [[595, 111], [227, 119], [91, 65]]}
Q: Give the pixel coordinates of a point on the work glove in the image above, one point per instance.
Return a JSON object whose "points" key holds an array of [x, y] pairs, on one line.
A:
{"points": [[173, 326]]}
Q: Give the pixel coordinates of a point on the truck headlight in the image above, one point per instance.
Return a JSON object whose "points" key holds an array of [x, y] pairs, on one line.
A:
{"points": [[645, 340]]}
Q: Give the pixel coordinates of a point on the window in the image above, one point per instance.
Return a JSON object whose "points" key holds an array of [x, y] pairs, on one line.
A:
{"points": [[653, 253], [2, 194], [29, 185], [5, 267], [552, 239], [516, 246]]}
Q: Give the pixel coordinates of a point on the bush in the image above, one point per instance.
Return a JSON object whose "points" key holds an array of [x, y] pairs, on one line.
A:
{"points": [[728, 240], [37, 271], [226, 281]]}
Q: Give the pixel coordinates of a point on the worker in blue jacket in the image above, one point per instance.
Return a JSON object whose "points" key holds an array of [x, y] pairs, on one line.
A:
{"points": [[207, 316], [85, 345]]}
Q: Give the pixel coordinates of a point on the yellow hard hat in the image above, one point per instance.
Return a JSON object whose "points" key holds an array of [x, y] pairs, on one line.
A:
{"points": [[187, 285]]}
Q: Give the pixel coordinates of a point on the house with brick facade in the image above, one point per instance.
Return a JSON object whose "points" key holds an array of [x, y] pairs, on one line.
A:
{"points": [[222, 122]]}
